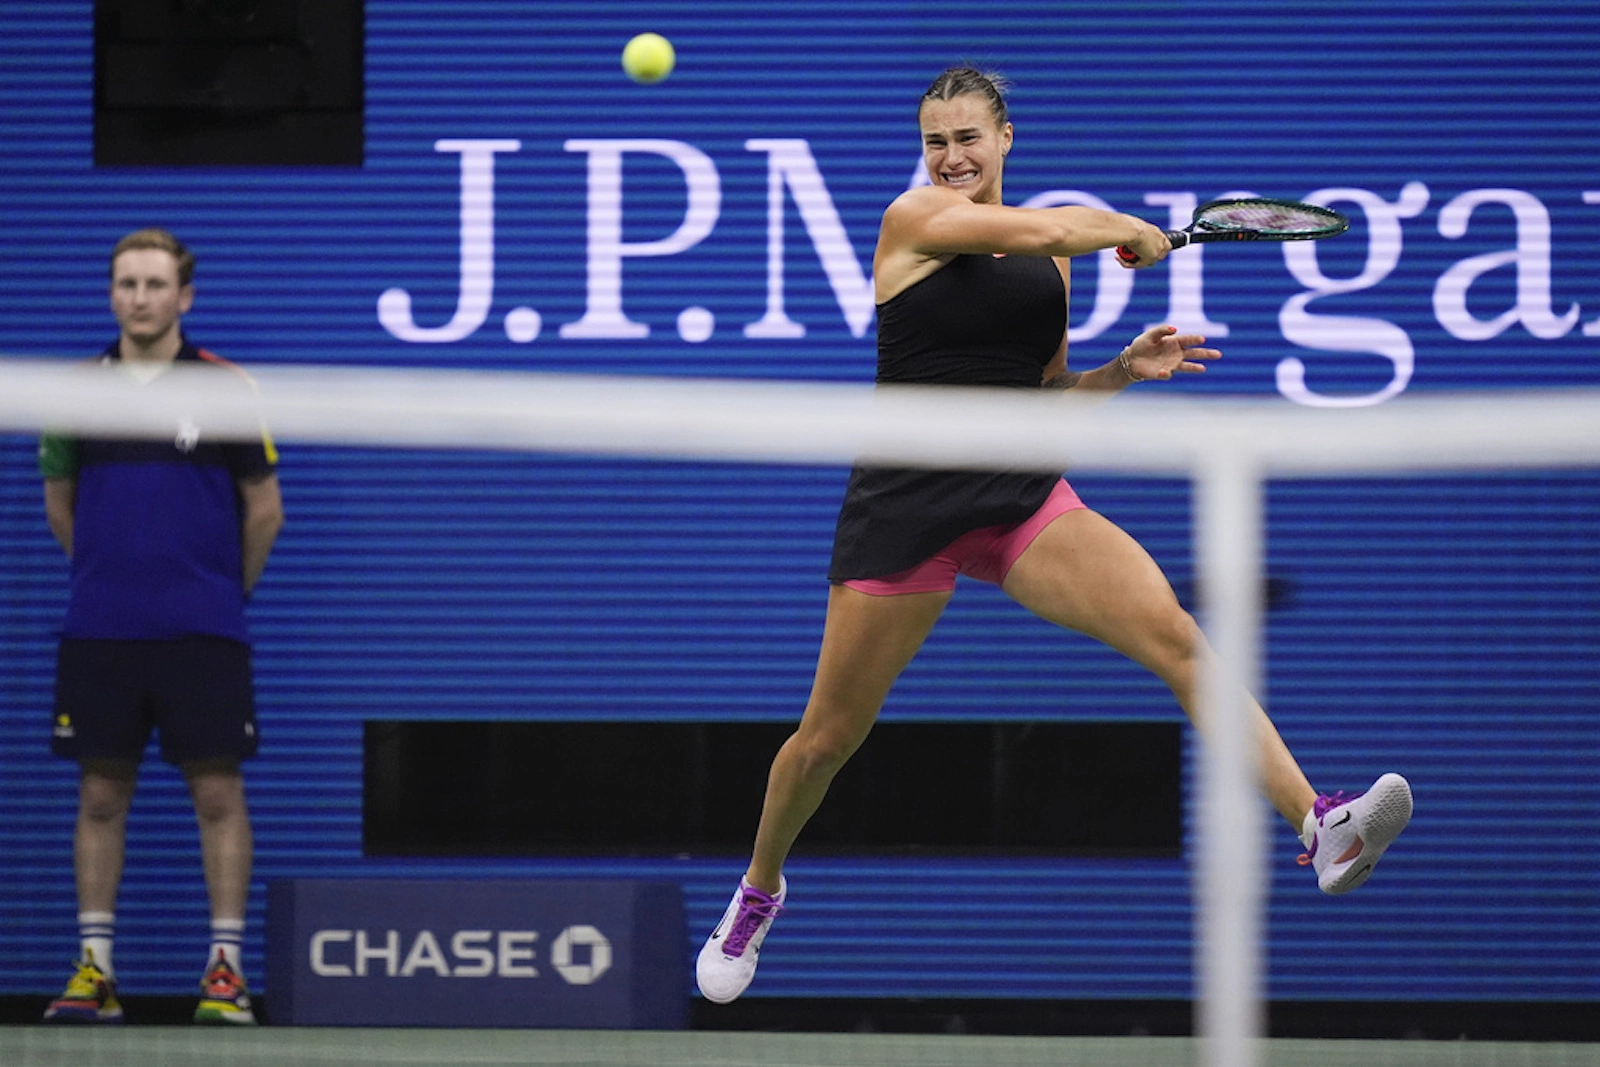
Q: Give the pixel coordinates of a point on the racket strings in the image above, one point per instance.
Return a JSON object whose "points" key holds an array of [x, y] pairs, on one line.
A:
{"points": [[1268, 218]]}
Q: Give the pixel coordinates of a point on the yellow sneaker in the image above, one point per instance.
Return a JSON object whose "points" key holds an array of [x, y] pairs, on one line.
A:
{"points": [[223, 997], [91, 997]]}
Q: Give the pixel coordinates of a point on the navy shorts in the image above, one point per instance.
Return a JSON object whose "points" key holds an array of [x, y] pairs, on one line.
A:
{"points": [[195, 692]]}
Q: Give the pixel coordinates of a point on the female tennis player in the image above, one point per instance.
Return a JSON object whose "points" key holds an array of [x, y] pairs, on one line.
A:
{"points": [[972, 292]]}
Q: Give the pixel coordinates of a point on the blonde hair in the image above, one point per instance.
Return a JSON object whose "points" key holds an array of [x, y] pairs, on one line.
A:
{"points": [[159, 239]]}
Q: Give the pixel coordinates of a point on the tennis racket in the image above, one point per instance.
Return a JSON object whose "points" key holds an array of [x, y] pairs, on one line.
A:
{"points": [[1253, 218]]}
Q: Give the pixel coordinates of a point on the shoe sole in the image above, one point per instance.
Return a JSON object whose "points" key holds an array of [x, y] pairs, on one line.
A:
{"points": [[1383, 817], [717, 999]]}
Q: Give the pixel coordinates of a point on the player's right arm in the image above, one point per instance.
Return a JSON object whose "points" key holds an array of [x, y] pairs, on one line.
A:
{"points": [[927, 225], [58, 463], [60, 495]]}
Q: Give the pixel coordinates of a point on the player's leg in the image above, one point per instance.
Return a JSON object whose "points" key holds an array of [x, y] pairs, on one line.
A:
{"points": [[866, 642], [1084, 573]]}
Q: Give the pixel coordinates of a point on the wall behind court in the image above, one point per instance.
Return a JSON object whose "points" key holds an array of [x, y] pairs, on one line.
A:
{"points": [[1441, 627]]}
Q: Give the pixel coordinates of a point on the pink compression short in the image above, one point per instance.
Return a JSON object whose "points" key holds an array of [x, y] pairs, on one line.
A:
{"points": [[986, 554]]}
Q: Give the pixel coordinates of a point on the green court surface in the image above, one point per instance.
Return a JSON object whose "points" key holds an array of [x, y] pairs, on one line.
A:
{"points": [[39, 1046]]}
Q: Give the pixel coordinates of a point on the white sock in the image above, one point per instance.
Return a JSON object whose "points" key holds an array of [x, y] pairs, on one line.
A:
{"points": [[95, 932], [226, 935], [1308, 829]]}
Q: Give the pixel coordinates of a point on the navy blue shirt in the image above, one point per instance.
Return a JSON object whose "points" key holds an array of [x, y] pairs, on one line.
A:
{"points": [[157, 542]]}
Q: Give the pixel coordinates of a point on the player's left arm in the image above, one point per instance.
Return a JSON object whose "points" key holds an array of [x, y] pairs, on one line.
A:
{"points": [[260, 523], [1155, 355]]}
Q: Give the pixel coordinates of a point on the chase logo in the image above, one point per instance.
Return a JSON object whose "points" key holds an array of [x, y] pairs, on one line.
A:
{"points": [[571, 946], [500, 952], [580, 954]]}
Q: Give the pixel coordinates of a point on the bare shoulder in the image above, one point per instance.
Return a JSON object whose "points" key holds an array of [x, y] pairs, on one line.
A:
{"points": [[917, 205], [902, 257]]}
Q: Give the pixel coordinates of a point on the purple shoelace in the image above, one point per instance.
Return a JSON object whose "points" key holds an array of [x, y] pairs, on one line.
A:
{"points": [[756, 907], [1324, 804]]}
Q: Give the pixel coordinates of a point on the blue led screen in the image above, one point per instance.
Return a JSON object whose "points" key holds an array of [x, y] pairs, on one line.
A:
{"points": [[524, 206]]}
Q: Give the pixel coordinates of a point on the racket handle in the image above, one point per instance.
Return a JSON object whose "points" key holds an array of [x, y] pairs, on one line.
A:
{"points": [[1179, 238]]}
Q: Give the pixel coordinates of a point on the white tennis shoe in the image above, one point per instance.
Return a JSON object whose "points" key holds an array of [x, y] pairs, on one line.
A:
{"points": [[1350, 833], [727, 963]]}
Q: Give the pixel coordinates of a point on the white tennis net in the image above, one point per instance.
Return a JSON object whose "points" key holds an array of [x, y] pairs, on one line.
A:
{"points": [[1227, 446]]}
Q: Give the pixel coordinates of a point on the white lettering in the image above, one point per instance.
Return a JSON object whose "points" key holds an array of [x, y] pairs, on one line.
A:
{"points": [[319, 944], [603, 316], [389, 953], [477, 251], [516, 946], [1531, 256], [425, 953], [790, 163], [477, 954], [1349, 333], [792, 172], [473, 945], [1185, 273]]}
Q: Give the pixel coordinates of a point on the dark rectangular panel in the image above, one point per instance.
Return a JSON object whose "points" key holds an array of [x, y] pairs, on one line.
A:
{"points": [[507, 788], [229, 82]]}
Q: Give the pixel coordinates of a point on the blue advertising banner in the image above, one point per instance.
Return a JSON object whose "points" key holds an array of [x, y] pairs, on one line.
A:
{"points": [[491, 953], [523, 205]]}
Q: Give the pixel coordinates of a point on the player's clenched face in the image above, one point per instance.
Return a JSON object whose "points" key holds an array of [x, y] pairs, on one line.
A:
{"points": [[962, 147], [145, 295]]}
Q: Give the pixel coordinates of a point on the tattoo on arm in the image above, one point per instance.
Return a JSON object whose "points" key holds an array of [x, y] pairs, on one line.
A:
{"points": [[1065, 380]]}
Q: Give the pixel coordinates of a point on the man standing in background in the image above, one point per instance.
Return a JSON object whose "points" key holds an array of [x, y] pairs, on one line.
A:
{"points": [[166, 539]]}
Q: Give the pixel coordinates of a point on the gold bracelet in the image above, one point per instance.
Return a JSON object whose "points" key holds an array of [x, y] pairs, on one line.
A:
{"points": [[1122, 358]]}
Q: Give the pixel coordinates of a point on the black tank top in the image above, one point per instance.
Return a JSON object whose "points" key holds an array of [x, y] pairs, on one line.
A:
{"points": [[979, 320]]}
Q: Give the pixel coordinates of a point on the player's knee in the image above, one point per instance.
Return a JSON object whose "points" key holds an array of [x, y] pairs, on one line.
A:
{"points": [[823, 752], [103, 805], [1174, 640], [105, 797], [217, 797]]}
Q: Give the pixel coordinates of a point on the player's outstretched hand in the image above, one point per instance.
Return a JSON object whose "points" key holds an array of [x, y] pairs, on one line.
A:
{"points": [[1161, 351]]}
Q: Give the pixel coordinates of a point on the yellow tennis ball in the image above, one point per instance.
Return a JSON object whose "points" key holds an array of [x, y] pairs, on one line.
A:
{"points": [[648, 58]]}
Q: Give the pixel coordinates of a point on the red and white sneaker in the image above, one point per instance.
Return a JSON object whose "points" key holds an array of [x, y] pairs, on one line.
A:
{"points": [[727, 963], [1350, 833], [223, 997]]}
